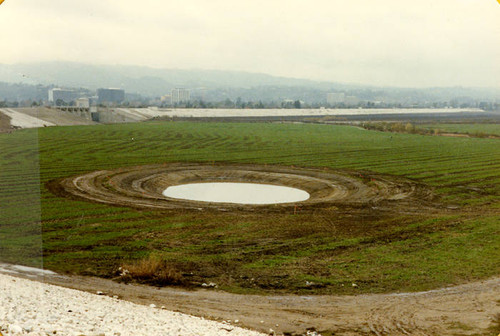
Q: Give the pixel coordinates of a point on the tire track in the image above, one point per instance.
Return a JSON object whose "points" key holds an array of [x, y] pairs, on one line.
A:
{"points": [[142, 186]]}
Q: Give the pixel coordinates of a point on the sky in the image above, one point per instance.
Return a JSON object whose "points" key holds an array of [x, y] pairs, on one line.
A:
{"points": [[422, 43]]}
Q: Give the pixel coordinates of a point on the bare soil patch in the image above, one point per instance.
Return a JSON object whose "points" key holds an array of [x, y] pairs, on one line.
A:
{"points": [[4, 123], [142, 187]]}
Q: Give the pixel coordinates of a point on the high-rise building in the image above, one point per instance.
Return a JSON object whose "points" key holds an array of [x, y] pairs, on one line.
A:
{"points": [[180, 95], [111, 95], [59, 96]]}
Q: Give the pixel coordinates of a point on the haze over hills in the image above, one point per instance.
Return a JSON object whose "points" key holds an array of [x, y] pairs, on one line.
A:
{"points": [[152, 82], [139, 79]]}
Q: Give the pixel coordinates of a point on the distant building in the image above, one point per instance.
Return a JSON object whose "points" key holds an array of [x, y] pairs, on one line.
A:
{"points": [[110, 96], [335, 98], [59, 96], [82, 102], [180, 95]]}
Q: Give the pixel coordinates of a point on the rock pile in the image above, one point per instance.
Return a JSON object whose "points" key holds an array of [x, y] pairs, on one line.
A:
{"points": [[34, 308]]}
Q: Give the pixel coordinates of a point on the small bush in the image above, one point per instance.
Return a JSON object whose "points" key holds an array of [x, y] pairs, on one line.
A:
{"points": [[152, 270]]}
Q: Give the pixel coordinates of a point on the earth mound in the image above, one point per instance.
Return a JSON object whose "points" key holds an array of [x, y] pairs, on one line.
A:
{"points": [[142, 186]]}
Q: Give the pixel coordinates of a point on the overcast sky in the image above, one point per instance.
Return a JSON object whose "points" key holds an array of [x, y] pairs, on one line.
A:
{"points": [[384, 42]]}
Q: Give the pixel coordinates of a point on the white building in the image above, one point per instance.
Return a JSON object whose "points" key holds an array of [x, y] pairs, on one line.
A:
{"points": [[180, 95], [61, 95], [82, 102]]}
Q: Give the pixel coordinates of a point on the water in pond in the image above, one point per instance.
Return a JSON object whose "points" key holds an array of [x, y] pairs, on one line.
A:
{"points": [[241, 193]]}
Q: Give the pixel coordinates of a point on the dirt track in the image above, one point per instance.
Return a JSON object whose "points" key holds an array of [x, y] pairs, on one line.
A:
{"points": [[142, 186], [468, 309]]}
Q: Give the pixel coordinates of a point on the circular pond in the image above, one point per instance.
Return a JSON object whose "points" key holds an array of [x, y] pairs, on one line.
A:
{"points": [[240, 193]]}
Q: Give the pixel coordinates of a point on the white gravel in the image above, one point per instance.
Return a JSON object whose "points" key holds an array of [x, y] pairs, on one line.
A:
{"points": [[33, 308]]}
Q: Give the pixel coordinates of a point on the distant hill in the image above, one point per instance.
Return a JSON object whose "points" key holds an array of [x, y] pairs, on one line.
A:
{"points": [[217, 84], [142, 80]]}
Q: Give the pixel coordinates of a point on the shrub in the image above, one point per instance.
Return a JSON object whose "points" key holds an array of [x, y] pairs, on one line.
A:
{"points": [[152, 270]]}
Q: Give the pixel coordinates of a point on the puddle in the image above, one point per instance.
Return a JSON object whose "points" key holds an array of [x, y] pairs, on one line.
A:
{"points": [[240, 193]]}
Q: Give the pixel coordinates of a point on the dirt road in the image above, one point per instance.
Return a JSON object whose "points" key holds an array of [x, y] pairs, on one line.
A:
{"points": [[468, 309]]}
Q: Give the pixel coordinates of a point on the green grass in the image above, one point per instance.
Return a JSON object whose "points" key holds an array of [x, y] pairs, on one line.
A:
{"points": [[248, 252]]}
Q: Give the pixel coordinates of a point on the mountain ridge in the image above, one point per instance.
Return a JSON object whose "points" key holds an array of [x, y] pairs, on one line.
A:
{"points": [[154, 82]]}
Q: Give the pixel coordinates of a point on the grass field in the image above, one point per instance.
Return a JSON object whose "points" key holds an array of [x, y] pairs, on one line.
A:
{"points": [[248, 252]]}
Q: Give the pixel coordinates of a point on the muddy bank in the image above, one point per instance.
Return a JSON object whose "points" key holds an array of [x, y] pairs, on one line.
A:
{"points": [[5, 123], [143, 187]]}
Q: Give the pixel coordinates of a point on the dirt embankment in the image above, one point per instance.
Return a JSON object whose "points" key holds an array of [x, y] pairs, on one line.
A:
{"points": [[142, 187], [5, 126], [30, 117], [56, 116]]}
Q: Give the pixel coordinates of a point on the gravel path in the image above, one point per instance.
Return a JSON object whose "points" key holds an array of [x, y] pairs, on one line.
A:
{"points": [[468, 309], [33, 308]]}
